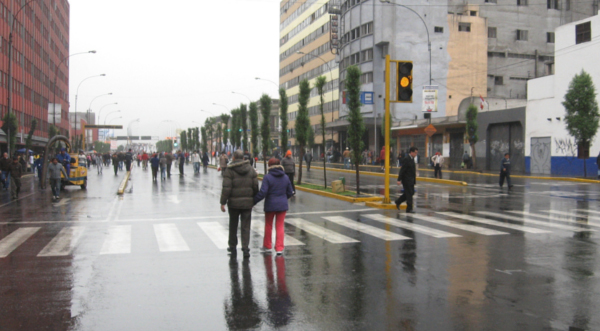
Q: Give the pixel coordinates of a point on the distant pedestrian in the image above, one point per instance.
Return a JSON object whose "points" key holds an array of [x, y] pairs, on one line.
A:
{"points": [[128, 160], [16, 171], [54, 171], [407, 177], [505, 171], [5, 171], [145, 159], [308, 158], [154, 164], [276, 189], [346, 156], [466, 160], [289, 167], [181, 159], [196, 162], [205, 160], [382, 157], [438, 161], [169, 158], [598, 164], [240, 185], [115, 163], [223, 160], [163, 166]]}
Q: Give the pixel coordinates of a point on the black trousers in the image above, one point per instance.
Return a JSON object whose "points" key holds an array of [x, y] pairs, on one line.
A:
{"points": [[506, 175], [409, 191], [437, 170], [181, 168], [116, 166], [234, 218], [308, 165], [128, 165], [154, 173], [168, 169], [291, 177]]}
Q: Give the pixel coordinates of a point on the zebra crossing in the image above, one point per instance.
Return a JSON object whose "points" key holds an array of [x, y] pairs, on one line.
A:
{"points": [[336, 229]]}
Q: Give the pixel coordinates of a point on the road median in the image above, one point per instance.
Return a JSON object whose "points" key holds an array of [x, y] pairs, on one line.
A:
{"points": [[123, 185]]}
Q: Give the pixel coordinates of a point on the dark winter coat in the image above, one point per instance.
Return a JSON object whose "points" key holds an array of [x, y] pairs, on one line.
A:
{"points": [[276, 189], [288, 165], [5, 163], [155, 162], [505, 165], [408, 172], [240, 185], [16, 170]]}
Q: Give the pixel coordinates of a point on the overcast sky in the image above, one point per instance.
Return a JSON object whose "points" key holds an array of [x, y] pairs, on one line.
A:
{"points": [[168, 60]]}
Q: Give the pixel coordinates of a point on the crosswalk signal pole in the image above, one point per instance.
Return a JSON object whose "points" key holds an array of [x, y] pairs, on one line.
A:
{"points": [[386, 199]]}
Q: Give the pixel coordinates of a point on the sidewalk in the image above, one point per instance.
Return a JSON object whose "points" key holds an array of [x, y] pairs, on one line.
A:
{"points": [[28, 187]]}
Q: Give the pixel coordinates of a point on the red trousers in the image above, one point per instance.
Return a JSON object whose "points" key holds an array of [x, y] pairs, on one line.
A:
{"points": [[279, 230]]}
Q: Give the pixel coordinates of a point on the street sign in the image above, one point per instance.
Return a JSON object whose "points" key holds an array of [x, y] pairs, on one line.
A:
{"points": [[54, 112], [121, 137], [97, 126], [366, 98], [430, 130], [146, 138], [430, 98]]}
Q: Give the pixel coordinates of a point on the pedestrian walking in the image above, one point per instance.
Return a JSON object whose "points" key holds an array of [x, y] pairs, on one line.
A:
{"points": [[205, 160], [240, 185], [16, 171], [382, 157], [54, 171], [346, 156], [128, 160], [598, 164], [154, 164], [308, 158], [169, 158], [248, 157], [163, 166], [181, 159], [407, 177], [505, 171], [5, 171], [145, 159], [196, 162], [438, 162], [466, 160], [276, 189], [115, 162], [289, 167], [223, 160]]}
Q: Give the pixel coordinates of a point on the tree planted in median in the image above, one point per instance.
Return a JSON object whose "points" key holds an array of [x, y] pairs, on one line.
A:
{"points": [[356, 128]]}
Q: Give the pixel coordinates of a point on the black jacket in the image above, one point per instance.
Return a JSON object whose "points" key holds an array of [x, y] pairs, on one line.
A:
{"points": [[240, 185], [4, 163], [505, 165], [408, 172]]}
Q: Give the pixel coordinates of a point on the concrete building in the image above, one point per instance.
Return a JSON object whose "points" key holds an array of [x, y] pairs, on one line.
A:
{"points": [[549, 149], [40, 44], [305, 28]]}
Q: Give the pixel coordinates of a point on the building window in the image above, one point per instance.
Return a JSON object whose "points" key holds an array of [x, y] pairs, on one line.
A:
{"points": [[552, 4], [366, 78], [550, 68], [567, 5], [366, 55], [438, 29], [521, 2], [367, 29], [522, 35], [498, 80], [550, 37], [464, 27], [491, 32], [583, 32], [473, 13]]}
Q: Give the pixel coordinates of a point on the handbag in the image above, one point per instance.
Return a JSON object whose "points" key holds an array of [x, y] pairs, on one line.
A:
{"points": [[219, 169]]}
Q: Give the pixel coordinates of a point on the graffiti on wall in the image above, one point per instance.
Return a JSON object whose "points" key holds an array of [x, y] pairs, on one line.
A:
{"points": [[565, 146], [540, 155]]}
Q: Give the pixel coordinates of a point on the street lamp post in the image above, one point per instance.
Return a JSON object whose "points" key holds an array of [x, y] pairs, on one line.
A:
{"points": [[105, 118], [245, 96], [77, 94], [270, 81], [90, 107], [100, 111], [426, 29], [112, 119]]}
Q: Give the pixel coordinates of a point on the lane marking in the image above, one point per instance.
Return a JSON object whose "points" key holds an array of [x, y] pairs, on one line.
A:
{"points": [[321, 232], [63, 243], [461, 226], [258, 226], [118, 213], [217, 233], [111, 210], [556, 218], [365, 228], [411, 226], [588, 211], [21, 198], [118, 240], [62, 202], [169, 238], [559, 212], [15, 239], [528, 220], [495, 223]]}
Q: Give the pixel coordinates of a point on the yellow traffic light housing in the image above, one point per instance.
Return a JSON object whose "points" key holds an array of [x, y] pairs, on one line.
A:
{"points": [[405, 80]]}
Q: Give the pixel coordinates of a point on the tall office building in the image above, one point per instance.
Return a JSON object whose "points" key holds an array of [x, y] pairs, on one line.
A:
{"points": [[305, 52], [40, 49]]}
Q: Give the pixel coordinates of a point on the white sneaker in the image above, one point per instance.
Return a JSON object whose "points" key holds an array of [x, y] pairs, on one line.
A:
{"points": [[279, 253], [265, 250]]}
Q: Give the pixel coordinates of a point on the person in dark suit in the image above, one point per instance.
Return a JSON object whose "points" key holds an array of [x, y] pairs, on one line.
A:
{"points": [[407, 177]]}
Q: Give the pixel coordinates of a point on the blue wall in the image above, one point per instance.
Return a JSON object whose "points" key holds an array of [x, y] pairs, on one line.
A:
{"points": [[568, 166]]}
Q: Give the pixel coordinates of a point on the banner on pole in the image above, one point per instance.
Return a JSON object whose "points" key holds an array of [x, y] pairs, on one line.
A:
{"points": [[54, 113], [430, 98]]}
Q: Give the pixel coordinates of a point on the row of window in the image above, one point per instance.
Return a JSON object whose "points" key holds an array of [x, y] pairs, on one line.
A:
{"points": [[303, 7], [363, 30], [328, 107], [349, 4], [310, 74], [26, 120], [542, 58], [27, 92], [356, 58], [314, 92], [307, 40], [302, 25], [305, 59], [550, 4]]}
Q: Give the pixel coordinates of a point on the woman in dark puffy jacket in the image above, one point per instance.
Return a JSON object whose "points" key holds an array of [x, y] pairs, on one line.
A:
{"points": [[276, 189]]}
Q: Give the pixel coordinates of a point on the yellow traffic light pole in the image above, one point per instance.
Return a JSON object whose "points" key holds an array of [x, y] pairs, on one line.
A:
{"points": [[386, 199]]}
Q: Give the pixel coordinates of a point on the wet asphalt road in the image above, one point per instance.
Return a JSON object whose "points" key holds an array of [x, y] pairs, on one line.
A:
{"points": [[472, 258]]}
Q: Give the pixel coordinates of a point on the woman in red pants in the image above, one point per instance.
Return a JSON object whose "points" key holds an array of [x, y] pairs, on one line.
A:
{"points": [[276, 189]]}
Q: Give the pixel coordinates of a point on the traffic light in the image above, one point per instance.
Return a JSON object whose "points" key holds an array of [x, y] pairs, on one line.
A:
{"points": [[405, 80]]}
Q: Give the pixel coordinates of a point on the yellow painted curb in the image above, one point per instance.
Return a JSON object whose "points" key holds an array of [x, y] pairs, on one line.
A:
{"points": [[381, 205], [124, 183]]}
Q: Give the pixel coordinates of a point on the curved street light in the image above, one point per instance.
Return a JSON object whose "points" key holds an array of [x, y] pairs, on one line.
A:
{"points": [[245, 96], [55, 77], [105, 118], [100, 111], [77, 94], [270, 81], [90, 107]]}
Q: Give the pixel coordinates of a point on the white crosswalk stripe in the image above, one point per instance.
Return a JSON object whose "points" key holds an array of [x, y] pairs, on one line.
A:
{"points": [[118, 240], [217, 233], [169, 238], [566, 219], [494, 223], [411, 226], [588, 211], [461, 226], [259, 227], [63, 243], [364, 228], [572, 215], [531, 221], [15, 239], [321, 232]]}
